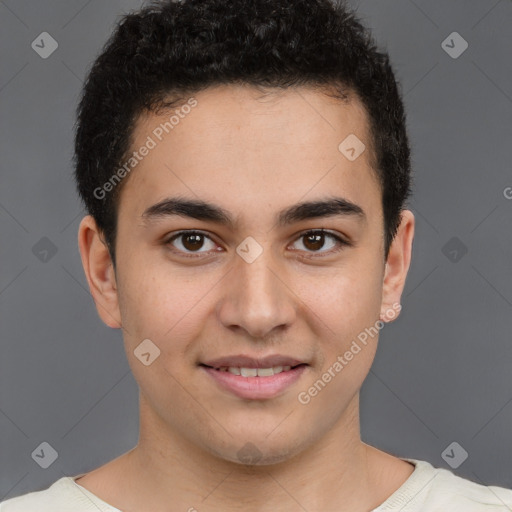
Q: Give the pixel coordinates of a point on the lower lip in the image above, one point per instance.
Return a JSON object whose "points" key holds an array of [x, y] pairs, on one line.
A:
{"points": [[256, 388]]}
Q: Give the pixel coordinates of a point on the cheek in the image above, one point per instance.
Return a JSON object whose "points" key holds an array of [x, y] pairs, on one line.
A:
{"points": [[349, 310], [349, 307], [349, 297], [163, 306]]}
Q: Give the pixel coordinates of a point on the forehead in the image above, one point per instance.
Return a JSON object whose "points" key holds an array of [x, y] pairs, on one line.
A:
{"points": [[243, 146]]}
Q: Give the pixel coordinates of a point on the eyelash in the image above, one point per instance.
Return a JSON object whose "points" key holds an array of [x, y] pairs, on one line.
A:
{"points": [[341, 242]]}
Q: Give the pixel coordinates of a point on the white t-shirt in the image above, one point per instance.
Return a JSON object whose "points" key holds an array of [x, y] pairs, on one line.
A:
{"points": [[428, 489]]}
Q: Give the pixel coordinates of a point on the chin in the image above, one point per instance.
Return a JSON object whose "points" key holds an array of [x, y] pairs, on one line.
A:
{"points": [[262, 453]]}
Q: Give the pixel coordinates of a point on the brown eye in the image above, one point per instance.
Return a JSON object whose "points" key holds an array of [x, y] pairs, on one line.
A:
{"points": [[192, 242], [188, 242], [315, 240]]}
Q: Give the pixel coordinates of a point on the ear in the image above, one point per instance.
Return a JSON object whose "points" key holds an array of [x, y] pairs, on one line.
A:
{"points": [[99, 271], [397, 266]]}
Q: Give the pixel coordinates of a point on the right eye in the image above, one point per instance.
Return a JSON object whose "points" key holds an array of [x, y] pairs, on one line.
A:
{"points": [[190, 241]]}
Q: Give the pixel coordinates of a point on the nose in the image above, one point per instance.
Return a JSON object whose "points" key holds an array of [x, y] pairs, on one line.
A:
{"points": [[256, 297]]}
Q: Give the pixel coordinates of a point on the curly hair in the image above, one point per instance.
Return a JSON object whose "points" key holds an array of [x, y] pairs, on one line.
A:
{"points": [[171, 49]]}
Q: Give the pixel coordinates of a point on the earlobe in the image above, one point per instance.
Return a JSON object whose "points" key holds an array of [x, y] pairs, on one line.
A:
{"points": [[397, 267], [99, 271]]}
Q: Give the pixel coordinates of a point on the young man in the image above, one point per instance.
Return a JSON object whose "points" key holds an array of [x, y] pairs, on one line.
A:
{"points": [[246, 166]]}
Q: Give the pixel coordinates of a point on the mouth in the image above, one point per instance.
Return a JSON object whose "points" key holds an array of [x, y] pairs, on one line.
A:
{"points": [[254, 372], [255, 383]]}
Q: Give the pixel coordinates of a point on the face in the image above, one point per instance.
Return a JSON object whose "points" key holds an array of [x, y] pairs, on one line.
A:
{"points": [[261, 277]]}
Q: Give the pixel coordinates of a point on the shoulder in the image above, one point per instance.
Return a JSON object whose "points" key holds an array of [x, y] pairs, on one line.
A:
{"points": [[55, 498], [439, 489], [62, 496], [469, 495]]}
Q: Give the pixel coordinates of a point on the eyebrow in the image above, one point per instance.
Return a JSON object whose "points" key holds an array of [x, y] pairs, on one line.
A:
{"points": [[202, 210]]}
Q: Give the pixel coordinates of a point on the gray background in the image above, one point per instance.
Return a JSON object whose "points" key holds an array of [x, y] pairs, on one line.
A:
{"points": [[442, 371]]}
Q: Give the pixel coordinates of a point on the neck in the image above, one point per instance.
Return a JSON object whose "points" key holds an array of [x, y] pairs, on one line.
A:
{"points": [[337, 471]]}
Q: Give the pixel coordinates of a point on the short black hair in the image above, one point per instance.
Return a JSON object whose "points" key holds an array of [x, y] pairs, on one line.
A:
{"points": [[169, 50]]}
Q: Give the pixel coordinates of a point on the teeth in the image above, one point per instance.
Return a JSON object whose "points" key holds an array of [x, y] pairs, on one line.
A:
{"points": [[255, 372], [265, 372], [248, 372]]}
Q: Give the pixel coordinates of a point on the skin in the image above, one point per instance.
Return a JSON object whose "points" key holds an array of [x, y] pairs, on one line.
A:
{"points": [[253, 157]]}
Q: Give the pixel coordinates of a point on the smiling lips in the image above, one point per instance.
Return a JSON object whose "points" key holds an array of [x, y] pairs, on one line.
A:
{"points": [[254, 372], [255, 378]]}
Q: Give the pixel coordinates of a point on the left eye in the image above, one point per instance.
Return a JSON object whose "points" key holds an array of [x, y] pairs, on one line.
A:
{"points": [[315, 238], [192, 241]]}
